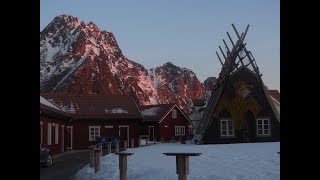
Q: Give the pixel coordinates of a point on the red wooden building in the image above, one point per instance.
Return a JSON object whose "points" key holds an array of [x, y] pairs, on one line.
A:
{"points": [[95, 116], [52, 126], [164, 121]]}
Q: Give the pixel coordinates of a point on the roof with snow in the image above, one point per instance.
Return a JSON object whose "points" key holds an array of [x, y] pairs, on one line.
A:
{"points": [[49, 109], [155, 112], [199, 102], [95, 106], [275, 94]]}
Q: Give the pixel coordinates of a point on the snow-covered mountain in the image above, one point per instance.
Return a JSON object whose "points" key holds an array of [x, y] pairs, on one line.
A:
{"points": [[80, 58]]}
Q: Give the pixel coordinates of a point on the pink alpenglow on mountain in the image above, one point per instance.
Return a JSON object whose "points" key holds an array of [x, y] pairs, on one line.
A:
{"points": [[80, 58]]}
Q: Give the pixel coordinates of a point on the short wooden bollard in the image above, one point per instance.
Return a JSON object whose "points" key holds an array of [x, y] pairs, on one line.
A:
{"points": [[162, 139], [97, 155], [125, 145], [182, 163], [154, 140], [180, 139], [91, 156], [139, 142], [172, 138], [123, 164], [117, 147], [132, 143], [147, 142], [109, 147]]}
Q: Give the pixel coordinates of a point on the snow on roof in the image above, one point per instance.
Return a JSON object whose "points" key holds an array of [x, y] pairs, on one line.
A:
{"points": [[47, 103], [116, 110], [150, 112]]}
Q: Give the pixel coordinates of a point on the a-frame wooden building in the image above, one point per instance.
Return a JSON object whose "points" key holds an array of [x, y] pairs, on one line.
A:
{"points": [[240, 108]]}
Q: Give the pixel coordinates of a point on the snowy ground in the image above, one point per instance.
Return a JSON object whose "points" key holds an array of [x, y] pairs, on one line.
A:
{"points": [[217, 162]]}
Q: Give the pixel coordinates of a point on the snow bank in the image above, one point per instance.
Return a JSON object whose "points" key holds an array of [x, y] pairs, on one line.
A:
{"points": [[218, 162]]}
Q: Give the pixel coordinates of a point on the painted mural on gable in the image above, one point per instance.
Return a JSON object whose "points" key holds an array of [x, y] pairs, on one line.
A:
{"points": [[238, 104]]}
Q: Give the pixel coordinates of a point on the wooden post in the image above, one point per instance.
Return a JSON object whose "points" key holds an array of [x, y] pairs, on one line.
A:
{"points": [[182, 163], [125, 145], [123, 164], [117, 147], [97, 155], [154, 140], [162, 139], [132, 143], [172, 138], [139, 142], [147, 141], [180, 139], [91, 156], [109, 147]]}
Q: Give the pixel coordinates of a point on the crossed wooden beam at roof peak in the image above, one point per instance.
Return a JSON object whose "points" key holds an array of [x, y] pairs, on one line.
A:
{"points": [[231, 56]]}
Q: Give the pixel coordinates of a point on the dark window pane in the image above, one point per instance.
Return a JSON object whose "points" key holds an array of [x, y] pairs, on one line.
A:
{"points": [[259, 126], [224, 127], [230, 132], [266, 122], [259, 121], [266, 126], [266, 131], [223, 122], [230, 127], [224, 132], [259, 131], [91, 133]]}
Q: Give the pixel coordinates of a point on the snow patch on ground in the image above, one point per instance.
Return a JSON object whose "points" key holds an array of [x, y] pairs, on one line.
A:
{"points": [[247, 161]]}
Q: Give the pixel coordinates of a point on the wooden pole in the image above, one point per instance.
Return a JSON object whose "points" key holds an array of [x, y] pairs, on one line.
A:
{"points": [[132, 142], [222, 53], [139, 142], [91, 156], [109, 147], [154, 140], [97, 156], [117, 146], [219, 58], [147, 141], [125, 145], [123, 165], [162, 139]]}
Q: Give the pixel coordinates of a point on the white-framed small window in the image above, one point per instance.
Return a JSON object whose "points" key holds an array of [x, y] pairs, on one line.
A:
{"points": [[94, 132], [49, 134], [180, 130], [226, 127], [263, 127], [174, 113], [57, 134]]}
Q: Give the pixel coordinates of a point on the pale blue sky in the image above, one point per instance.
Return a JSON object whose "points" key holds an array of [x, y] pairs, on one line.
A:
{"points": [[186, 33]]}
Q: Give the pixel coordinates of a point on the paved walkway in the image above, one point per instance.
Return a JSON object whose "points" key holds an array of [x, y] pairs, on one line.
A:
{"points": [[66, 165]]}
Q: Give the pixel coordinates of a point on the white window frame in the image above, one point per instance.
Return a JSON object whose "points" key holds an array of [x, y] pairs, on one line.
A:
{"points": [[263, 129], [49, 134], [228, 123], [95, 135], [174, 113], [180, 130], [56, 134]]}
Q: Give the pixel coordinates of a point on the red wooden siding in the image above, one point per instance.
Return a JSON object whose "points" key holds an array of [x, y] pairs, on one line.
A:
{"points": [[81, 132], [168, 132], [55, 148]]}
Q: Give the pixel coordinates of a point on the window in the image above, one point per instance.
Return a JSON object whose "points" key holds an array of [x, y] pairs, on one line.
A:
{"points": [[57, 134], [49, 134], [179, 130], [94, 132], [226, 128], [263, 127], [174, 113]]}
